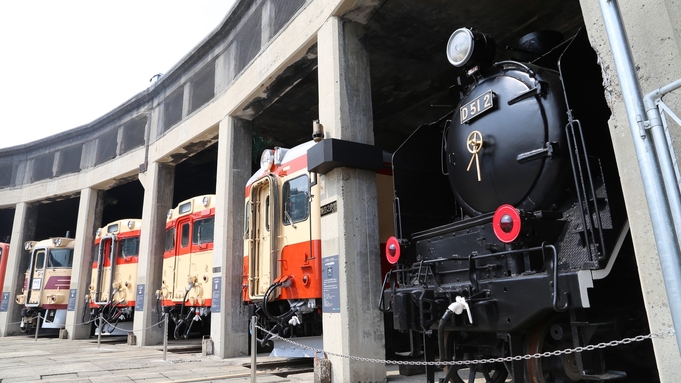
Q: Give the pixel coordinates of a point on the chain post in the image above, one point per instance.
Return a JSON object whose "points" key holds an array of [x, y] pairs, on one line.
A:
{"points": [[165, 336], [37, 328], [254, 348], [101, 328]]}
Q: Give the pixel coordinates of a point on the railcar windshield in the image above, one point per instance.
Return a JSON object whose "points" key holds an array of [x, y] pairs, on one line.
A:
{"points": [[60, 258], [203, 231], [170, 239], [296, 206], [129, 247]]}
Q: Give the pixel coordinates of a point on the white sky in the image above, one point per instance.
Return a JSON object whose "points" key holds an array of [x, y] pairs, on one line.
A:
{"points": [[66, 63]]}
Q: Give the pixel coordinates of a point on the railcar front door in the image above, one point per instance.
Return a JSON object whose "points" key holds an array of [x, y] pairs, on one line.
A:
{"points": [[37, 274], [262, 262], [104, 271], [182, 258]]}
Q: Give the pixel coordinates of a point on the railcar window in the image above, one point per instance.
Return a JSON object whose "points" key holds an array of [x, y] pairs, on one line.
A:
{"points": [[203, 231], [185, 235], [170, 239], [60, 258], [40, 259], [129, 247], [296, 206], [267, 213], [247, 214]]}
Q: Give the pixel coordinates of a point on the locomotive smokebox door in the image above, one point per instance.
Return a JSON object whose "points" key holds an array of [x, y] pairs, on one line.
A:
{"points": [[505, 138]]}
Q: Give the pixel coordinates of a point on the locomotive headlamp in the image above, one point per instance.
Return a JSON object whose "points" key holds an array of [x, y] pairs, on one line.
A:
{"points": [[392, 250], [468, 47], [506, 223], [267, 159]]}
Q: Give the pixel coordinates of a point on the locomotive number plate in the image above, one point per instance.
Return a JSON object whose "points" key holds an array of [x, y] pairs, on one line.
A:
{"points": [[478, 106]]}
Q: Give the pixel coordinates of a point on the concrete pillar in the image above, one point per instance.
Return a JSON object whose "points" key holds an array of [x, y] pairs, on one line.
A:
{"points": [[158, 183], [23, 229], [351, 233], [229, 319], [89, 218], [652, 30]]}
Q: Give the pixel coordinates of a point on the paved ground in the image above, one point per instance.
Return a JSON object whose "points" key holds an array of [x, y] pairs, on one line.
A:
{"points": [[23, 359]]}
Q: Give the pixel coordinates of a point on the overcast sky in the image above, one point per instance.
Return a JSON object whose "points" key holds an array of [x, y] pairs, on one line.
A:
{"points": [[66, 63]]}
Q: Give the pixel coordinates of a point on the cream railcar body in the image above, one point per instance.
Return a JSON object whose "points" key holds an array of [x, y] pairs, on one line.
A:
{"points": [[114, 276], [46, 285], [185, 293], [282, 264]]}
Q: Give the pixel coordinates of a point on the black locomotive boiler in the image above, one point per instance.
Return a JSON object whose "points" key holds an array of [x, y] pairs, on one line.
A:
{"points": [[512, 236]]}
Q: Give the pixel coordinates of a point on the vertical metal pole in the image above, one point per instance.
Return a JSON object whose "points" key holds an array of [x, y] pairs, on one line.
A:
{"points": [[37, 328], [254, 348], [165, 336], [101, 328]]}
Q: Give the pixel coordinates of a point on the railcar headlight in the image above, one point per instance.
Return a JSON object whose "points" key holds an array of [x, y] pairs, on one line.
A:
{"points": [[170, 214], [57, 241], [267, 159], [28, 245], [131, 224], [99, 231], [206, 201], [279, 154], [468, 47]]}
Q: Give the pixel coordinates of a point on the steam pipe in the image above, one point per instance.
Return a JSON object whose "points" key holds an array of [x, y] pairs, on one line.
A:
{"points": [[658, 204]]}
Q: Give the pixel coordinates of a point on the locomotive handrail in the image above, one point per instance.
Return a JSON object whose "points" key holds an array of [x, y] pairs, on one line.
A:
{"points": [[582, 193], [516, 63]]}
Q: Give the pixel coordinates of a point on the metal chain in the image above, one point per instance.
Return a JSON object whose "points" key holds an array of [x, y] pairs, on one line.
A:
{"points": [[590, 347]]}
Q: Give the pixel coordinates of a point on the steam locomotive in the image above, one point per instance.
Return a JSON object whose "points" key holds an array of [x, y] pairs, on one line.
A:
{"points": [[46, 284], [520, 243]]}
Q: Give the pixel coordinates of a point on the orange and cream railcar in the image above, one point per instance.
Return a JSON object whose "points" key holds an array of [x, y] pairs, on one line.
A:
{"points": [[282, 264], [185, 292], [114, 276], [46, 285], [4, 253]]}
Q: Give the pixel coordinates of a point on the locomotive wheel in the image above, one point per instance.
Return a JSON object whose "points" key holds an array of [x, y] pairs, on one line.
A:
{"points": [[553, 335], [491, 372]]}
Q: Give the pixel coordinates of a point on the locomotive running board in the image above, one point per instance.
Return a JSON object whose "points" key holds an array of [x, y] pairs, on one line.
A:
{"points": [[454, 226]]}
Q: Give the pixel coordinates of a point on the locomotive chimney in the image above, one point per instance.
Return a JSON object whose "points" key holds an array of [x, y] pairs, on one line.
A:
{"points": [[317, 131]]}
